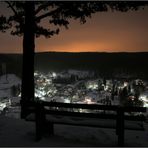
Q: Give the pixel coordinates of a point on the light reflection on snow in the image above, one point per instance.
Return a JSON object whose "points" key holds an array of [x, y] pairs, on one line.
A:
{"points": [[144, 98], [83, 89], [74, 87]]}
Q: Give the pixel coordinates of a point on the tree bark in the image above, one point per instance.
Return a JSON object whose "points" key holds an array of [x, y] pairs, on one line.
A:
{"points": [[28, 57]]}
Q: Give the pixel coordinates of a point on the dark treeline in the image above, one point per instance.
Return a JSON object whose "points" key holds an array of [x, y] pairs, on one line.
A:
{"points": [[105, 63], [13, 63]]}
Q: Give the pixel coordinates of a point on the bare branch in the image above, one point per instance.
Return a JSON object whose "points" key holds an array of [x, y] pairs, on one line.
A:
{"points": [[12, 8]]}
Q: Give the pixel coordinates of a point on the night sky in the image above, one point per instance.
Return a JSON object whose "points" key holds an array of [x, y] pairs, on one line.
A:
{"points": [[104, 32]]}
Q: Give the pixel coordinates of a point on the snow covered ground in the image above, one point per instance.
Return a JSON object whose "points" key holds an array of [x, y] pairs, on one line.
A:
{"points": [[17, 132]]}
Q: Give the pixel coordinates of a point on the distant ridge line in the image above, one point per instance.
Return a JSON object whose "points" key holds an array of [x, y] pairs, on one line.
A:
{"points": [[92, 52], [57, 52]]}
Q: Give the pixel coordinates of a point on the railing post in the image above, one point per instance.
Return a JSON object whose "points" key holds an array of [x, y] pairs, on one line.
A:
{"points": [[120, 126], [38, 121]]}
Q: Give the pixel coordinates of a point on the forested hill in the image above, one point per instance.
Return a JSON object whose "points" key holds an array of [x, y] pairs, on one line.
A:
{"points": [[13, 63], [103, 62], [90, 60]]}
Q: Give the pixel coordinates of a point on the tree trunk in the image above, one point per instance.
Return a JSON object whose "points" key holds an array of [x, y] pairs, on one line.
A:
{"points": [[28, 57]]}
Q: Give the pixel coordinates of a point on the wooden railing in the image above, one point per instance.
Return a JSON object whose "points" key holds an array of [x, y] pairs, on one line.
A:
{"points": [[117, 113]]}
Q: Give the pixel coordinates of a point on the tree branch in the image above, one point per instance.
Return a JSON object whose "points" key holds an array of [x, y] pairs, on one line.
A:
{"points": [[12, 8], [17, 17], [42, 6], [47, 14]]}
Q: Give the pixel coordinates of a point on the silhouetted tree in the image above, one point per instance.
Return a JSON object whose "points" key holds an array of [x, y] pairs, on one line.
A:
{"points": [[26, 20]]}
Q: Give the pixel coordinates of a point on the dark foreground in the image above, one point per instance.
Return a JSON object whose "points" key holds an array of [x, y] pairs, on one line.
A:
{"points": [[17, 132]]}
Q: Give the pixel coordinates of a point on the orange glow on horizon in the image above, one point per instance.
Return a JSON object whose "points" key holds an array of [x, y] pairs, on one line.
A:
{"points": [[104, 32]]}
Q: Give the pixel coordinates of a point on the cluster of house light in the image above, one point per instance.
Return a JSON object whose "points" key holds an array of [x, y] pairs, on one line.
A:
{"points": [[144, 98], [46, 88], [43, 85]]}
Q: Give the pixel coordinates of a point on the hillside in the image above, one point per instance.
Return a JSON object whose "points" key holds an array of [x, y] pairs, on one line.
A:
{"points": [[13, 63], [104, 63]]}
